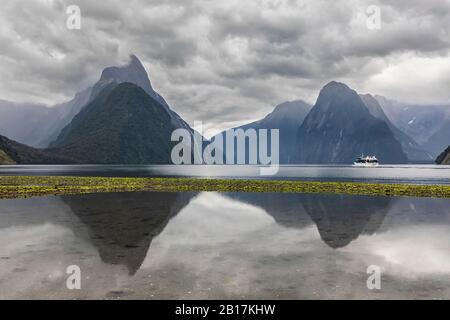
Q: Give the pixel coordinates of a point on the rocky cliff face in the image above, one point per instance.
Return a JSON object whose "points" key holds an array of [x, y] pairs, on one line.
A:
{"points": [[444, 157]]}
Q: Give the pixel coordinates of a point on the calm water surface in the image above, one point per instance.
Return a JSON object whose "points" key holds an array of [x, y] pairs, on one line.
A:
{"points": [[421, 174], [224, 245]]}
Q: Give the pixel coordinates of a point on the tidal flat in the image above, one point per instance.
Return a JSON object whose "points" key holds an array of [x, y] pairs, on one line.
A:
{"points": [[28, 186]]}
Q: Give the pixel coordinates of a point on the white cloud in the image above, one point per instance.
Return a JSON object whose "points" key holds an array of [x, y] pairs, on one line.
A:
{"points": [[428, 77]]}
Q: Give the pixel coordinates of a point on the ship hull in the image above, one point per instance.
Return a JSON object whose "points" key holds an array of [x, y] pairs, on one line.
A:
{"points": [[357, 164]]}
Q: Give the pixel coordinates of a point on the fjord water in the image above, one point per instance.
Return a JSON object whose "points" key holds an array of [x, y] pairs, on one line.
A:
{"points": [[146, 245], [420, 174]]}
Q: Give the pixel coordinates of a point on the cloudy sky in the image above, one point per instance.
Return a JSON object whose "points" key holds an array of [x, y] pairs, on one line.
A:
{"points": [[227, 62]]}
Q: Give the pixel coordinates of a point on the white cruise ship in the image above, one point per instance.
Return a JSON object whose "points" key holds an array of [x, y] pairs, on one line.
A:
{"points": [[366, 161]]}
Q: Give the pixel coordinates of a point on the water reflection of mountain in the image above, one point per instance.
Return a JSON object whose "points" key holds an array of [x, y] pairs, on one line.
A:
{"points": [[122, 225], [340, 219], [285, 208]]}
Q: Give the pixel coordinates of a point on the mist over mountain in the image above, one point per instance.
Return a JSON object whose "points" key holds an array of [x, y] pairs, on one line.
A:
{"points": [[120, 119], [23, 122], [417, 121], [125, 122], [134, 72], [340, 127], [426, 124], [62, 116], [39, 125]]}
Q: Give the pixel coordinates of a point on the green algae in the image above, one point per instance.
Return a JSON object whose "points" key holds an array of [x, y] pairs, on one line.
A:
{"points": [[27, 186]]}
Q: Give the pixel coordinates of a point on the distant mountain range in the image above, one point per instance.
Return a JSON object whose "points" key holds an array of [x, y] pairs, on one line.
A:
{"points": [[120, 119], [286, 117], [429, 125], [412, 149]]}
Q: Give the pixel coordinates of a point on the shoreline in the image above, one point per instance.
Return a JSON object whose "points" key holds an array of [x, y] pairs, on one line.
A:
{"points": [[31, 186]]}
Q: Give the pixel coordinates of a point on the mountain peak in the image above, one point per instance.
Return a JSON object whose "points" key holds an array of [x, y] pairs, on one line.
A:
{"points": [[133, 72], [334, 87], [334, 83], [136, 64], [339, 95], [340, 127], [291, 106], [134, 59], [374, 107]]}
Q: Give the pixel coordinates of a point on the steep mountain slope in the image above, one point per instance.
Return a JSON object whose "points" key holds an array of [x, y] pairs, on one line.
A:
{"points": [[12, 152], [61, 115], [444, 157], [287, 117], [134, 72], [419, 122], [122, 125], [340, 127], [414, 152], [440, 139], [5, 159]]}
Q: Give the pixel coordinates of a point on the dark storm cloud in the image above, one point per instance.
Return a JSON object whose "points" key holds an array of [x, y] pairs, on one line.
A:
{"points": [[225, 61]]}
